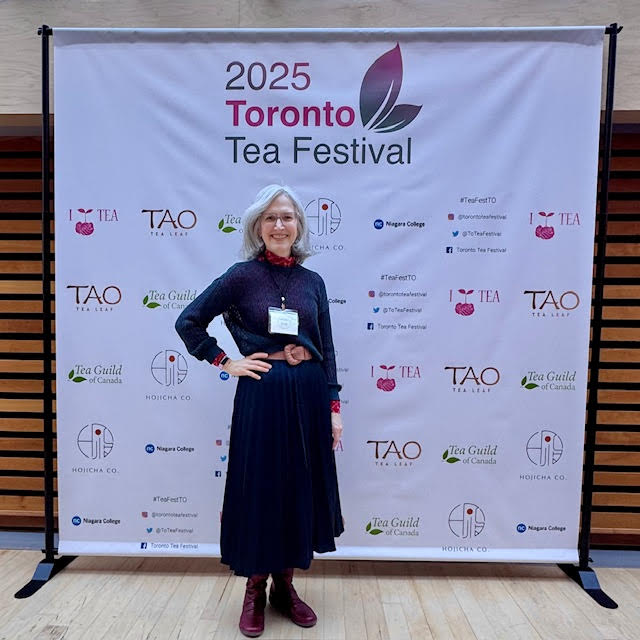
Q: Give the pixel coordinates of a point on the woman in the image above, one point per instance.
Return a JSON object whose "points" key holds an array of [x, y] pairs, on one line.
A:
{"points": [[281, 499]]}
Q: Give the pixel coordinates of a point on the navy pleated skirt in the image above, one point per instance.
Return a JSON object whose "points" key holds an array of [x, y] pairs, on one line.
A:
{"points": [[281, 499]]}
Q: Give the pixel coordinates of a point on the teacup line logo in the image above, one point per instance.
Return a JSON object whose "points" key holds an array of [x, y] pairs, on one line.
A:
{"points": [[544, 448], [379, 92], [85, 227], [323, 216], [95, 441], [546, 231], [169, 368], [389, 384], [466, 520], [466, 308]]}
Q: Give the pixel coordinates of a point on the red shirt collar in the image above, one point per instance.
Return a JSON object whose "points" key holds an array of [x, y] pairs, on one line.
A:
{"points": [[279, 261]]}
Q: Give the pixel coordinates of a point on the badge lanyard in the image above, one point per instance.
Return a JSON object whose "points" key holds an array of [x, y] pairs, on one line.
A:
{"points": [[283, 320], [281, 291]]}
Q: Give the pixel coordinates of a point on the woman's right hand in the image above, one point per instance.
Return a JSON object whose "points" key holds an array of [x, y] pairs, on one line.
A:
{"points": [[248, 366]]}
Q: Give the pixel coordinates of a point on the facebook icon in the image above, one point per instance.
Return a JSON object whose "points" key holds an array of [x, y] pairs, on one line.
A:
{"points": [[143, 545]]}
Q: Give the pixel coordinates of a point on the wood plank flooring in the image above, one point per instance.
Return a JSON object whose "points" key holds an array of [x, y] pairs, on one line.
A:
{"points": [[108, 598]]}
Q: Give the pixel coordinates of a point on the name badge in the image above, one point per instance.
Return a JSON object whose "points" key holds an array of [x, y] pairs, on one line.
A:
{"points": [[283, 321]]}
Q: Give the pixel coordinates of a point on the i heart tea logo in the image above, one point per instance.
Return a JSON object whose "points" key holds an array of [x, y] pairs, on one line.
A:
{"points": [[84, 228], [378, 94], [465, 308], [546, 232], [386, 383]]}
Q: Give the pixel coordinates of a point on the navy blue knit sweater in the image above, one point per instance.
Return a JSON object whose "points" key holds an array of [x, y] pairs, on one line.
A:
{"points": [[243, 295]]}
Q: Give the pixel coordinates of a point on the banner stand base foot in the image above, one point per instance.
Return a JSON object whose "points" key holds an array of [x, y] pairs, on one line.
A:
{"points": [[588, 580], [45, 570]]}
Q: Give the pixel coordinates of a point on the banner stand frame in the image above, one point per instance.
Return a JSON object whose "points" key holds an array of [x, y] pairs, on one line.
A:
{"points": [[581, 574], [51, 565]]}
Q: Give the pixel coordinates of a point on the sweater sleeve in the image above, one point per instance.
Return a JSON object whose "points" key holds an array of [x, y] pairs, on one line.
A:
{"points": [[328, 352], [192, 323]]}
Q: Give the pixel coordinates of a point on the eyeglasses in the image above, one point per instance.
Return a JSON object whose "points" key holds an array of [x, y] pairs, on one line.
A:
{"points": [[286, 219]]}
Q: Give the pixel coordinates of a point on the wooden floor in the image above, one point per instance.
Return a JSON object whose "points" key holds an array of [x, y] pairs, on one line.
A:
{"points": [[98, 598]]}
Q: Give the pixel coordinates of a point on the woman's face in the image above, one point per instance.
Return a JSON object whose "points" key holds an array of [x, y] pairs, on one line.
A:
{"points": [[279, 226]]}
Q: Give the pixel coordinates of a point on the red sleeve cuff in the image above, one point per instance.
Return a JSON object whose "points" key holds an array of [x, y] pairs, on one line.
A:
{"points": [[335, 406], [218, 360]]}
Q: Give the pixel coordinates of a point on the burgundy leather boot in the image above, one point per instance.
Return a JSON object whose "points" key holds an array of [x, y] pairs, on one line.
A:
{"points": [[284, 598], [255, 599]]}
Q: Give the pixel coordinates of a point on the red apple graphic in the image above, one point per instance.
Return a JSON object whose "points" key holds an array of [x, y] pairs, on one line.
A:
{"points": [[387, 383], [545, 233], [84, 228], [465, 308]]}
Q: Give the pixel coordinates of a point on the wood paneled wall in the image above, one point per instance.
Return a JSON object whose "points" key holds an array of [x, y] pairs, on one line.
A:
{"points": [[20, 47], [616, 518]]}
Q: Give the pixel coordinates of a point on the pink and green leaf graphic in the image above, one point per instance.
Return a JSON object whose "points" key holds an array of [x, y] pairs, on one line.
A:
{"points": [[545, 233], [75, 378], [378, 94], [373, 532], [450, 459], [227, 229], [149, 305], [465, 308], [528, 385]]}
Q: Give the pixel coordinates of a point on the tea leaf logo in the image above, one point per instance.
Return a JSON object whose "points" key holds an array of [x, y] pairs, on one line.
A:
{"points": [[447, 458], [373, 532], [528, 385], [227, 229], [378, 94], [75, 378], [149, 305]]}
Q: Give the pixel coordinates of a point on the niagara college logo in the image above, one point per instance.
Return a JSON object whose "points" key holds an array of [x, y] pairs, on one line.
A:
{"points": [[466, 520], [544, 448], [95, 441], [84, 227], [466, 308], [169, 368], [379, 92], [323, 216]]}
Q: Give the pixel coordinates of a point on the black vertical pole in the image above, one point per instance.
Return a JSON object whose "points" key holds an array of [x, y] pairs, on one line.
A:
{"points": [[583, 574], [596, 324], [47, 352], [50, 565]]}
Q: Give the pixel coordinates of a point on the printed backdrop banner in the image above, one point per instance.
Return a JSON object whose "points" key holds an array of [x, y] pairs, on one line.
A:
{"points": [[449, 180]]}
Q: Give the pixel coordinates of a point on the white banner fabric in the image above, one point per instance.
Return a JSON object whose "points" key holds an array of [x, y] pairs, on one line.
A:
{"points": [[449, 179]]}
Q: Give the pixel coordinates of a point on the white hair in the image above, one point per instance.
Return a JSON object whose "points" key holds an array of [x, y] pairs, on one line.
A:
{"points": [[252, 243]]}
